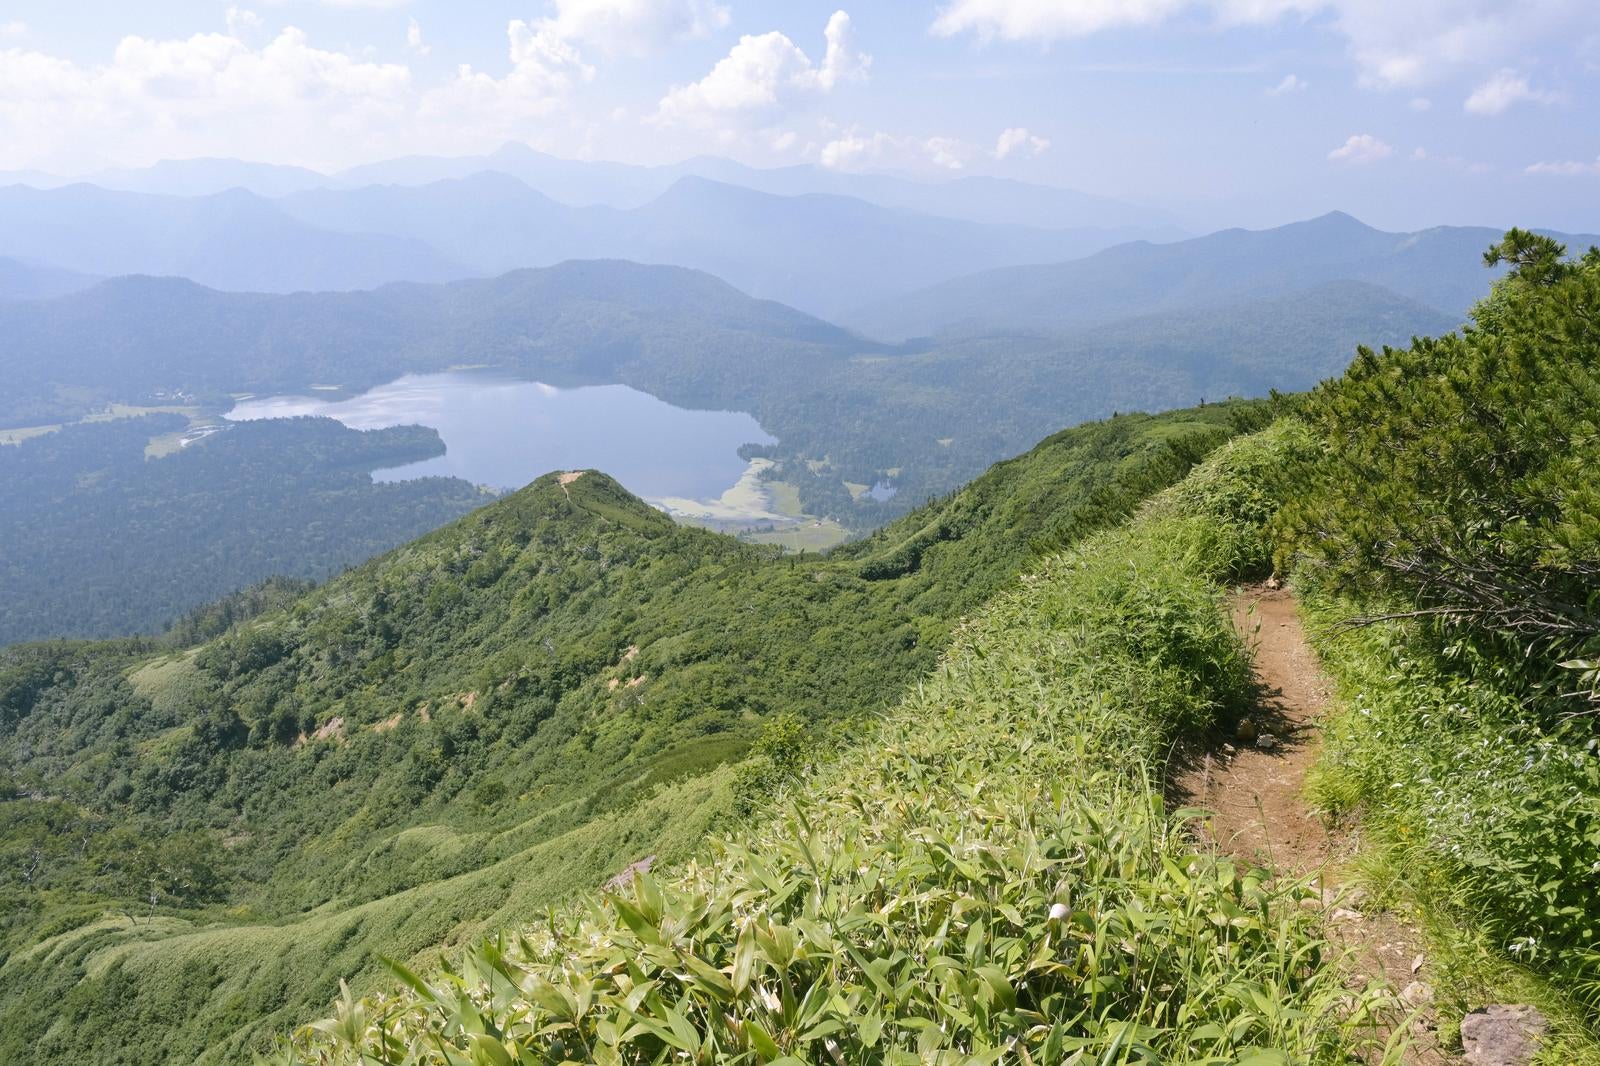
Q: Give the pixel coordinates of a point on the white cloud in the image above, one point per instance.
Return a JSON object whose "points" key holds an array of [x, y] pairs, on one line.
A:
{"points": [[636, 26], [206, 94], [1565, 169], [1394, 44], [945, 152], [760, 73], [1419, 153], [1291, 83], [380, 5], [1019, 138], [1015, 20], [543, 69], [1361, 148], [853, 150], [1505, 88], [1420, 103], [284, 99], [242, 23], [414, 40], [13, 29]]}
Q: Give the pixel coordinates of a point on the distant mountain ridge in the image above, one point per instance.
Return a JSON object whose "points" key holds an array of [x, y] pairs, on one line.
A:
{"points": [[231, 240], [1438, 267], [672, 327], [581, 183], [20, 280], [819, 252]]}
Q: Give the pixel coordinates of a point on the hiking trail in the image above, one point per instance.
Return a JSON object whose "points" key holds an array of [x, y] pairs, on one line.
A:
{"points": [[1256, 786]]}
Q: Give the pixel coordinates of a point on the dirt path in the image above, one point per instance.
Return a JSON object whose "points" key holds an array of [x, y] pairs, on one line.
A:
{"points": [[1255, 783], [1257, 788]]}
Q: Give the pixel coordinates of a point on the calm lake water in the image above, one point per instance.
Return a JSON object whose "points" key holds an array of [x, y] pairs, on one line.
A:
{"points": [[502, 432]]}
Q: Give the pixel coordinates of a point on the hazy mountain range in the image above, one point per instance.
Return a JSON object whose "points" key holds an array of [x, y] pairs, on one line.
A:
{"points": [[586, 183], [707, 294], [1441, 268], [814, 251], [820, 252], [21, 280], [229, 240], [887, 256]]}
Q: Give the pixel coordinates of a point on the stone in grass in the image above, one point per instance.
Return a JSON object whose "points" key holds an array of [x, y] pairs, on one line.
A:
{"points": [[1502, 1034]]}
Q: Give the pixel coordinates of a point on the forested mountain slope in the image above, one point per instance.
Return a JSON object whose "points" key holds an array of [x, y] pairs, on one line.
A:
{"points": [[99, 541], [994, 872], [843, 409], [1437, 268], [986, 875], [595, 320], [199, 843]]}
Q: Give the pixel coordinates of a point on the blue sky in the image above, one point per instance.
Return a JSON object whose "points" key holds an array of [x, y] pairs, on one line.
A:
{"points": [[1404, 112]]}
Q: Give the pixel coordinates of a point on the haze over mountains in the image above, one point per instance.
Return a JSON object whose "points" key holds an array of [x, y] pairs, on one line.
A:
{"points": [[584, 183], [350, 284], [23, 280], [822, 253], [816, 252], [890, 257], [1437, 267], [845, 410], [228, 240], [814, 238]]}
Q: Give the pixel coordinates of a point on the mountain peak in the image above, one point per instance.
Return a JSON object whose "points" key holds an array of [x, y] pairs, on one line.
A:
{"points": [[1337, 220]]}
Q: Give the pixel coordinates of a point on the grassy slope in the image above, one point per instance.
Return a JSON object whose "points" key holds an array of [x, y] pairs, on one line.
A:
{"points": [[991, 874], [1475, 818], [385, 842]]}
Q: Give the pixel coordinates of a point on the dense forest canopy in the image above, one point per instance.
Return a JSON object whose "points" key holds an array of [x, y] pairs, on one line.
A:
{"points": [[101, 541]]}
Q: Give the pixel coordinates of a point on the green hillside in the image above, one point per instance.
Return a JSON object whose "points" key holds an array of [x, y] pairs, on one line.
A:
{"points": [[199, 844], [989, 876], [1445, 528], [993, 871], [899, 805]]}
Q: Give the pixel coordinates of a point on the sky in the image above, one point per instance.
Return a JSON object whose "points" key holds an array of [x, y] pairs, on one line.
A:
{"points": [[1405, 113]]}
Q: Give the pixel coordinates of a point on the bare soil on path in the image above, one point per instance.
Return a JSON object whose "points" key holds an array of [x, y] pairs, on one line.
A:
{"points": [[1255, 783]]}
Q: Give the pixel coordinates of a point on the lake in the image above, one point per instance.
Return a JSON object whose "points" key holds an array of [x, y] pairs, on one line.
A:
{"points": [[502, 432]]}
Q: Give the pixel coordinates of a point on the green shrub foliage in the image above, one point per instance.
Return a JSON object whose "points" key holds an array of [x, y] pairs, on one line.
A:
{"points": [[1444, 524], [1457, 475]]}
